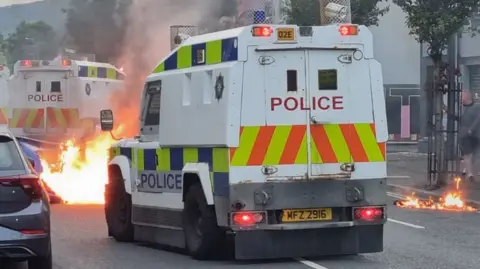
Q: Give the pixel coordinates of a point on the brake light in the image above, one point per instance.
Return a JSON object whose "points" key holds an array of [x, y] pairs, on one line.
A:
{"points": [[26, 63], [348, 30], [30, 184], [368, 213], [33, 232], [1, 67], [264, 31], [247, 218], [66, 62]]}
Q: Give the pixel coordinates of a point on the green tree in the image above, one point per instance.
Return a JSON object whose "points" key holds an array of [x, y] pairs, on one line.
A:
{"points": [[34, 40], [97, 26], [306, 12], [434, 22]]}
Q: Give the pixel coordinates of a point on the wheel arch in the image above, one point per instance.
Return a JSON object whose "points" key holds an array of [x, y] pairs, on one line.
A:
{"points": [[197, 172], [123, 164]]}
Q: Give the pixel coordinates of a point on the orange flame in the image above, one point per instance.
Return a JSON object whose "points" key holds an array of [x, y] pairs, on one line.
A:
{"points": [[80, 178], [450, 201]]}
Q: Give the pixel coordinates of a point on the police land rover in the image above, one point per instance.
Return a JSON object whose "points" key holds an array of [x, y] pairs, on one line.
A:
{"points": [[266, 140]]}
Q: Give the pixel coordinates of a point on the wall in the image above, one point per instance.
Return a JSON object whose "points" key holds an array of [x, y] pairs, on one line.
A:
{"points": [[399, 54]]}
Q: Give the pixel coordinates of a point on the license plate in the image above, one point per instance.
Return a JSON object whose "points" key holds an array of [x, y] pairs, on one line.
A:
{"points": [[285, 34], [298, 215]]}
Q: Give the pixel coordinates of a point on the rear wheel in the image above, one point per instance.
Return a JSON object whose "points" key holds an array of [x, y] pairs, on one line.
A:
{"points": [[118, 210], [41, 262], [204, 239]]}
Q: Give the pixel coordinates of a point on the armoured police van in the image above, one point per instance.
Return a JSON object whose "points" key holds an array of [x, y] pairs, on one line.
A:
{"points": [[59, 97], [265, 140]]}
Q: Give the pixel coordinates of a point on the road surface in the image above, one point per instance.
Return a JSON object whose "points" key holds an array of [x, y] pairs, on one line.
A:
{"points": [[413, 239]]}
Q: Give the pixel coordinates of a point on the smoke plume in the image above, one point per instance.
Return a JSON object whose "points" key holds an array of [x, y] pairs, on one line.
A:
{"points": [[147, 41]]}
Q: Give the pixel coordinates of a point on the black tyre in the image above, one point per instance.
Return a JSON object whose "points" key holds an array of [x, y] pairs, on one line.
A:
{"points": [[204, 239], [118, 210], [41, 262]]}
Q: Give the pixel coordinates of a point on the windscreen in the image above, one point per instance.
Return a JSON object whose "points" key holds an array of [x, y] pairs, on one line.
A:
{"points": [[10, 158]]}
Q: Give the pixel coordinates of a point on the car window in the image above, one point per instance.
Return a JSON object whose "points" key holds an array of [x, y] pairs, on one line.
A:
{"points": [[10, 158]]}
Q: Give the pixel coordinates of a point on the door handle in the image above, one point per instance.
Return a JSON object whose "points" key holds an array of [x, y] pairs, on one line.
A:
{"points": [[314, 120]]}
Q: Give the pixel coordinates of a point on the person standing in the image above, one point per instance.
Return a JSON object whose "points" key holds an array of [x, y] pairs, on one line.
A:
{"points": [[469, 132]]}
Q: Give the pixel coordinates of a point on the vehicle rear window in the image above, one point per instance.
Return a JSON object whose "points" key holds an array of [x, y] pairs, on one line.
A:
{"points": [[292, 80], [327, 80], [55, 86], [10, 158]]}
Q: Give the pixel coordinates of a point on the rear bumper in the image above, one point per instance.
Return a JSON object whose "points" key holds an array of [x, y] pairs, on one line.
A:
{"points": [[310, 194], [261, 244], [16, 245], [26, 247], [343, 235]]}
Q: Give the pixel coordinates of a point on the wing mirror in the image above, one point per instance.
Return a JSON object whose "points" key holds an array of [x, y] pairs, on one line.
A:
{"points": [[106, 120]]}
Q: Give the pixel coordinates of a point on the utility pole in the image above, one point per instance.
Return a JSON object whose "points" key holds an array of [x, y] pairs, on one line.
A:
{"points": [[453, 105], [443, 159]]}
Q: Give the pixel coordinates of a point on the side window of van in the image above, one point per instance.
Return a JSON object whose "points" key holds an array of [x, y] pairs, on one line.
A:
{"points": [[151, 115]]}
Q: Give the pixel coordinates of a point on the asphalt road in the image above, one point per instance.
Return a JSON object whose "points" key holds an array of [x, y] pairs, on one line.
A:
{"points": [[413, 239]]}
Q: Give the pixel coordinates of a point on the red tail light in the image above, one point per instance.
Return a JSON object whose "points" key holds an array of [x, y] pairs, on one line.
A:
{"points": [[33, 232], [26, 63], [31, 185], [247, 218], [368, 213]]}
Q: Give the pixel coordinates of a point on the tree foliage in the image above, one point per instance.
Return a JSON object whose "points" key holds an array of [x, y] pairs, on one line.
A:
{"points": [[97, 27], [306, 12], [34, 40], [433, 22]]}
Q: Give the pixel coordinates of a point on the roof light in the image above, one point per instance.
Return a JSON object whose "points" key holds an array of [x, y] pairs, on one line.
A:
{"points": [[26, 63], [348, 30], [66, 62], [262, 31]]}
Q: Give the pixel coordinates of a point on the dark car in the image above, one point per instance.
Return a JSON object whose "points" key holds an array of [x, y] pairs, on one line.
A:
{"points": [[24, 208]]}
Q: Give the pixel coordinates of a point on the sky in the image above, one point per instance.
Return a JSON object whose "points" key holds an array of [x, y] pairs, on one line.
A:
{"points": [[10, 2]]}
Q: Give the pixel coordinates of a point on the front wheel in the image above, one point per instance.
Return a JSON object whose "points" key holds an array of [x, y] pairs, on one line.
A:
{"points": [[118, 212], [204, 239]]}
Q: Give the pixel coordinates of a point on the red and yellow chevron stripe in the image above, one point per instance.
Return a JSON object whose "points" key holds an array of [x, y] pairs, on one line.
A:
{"points": [[329, 143], [3, 116], [27, 118], [62, 117]]}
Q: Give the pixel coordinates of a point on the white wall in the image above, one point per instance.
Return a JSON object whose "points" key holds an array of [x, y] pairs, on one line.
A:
{"points": [[395, 49]]}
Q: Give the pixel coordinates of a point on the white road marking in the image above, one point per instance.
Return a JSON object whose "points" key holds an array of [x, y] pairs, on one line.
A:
{"points": [[406, 224], [398, 177], [311, 264], [396, 195]]}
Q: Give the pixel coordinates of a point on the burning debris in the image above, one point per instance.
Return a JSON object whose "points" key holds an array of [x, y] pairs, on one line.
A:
{"points": [[451, 201]]}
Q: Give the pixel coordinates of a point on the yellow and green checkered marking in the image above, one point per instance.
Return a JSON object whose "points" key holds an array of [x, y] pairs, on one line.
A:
{"points": [[99, 72], [174, 159], [207, 53]]}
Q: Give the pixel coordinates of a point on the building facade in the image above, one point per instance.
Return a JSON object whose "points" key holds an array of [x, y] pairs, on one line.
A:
{"points": [[399, 52]]}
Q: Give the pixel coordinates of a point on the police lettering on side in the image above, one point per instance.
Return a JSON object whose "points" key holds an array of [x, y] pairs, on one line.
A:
{"points": [[158, 182]]}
